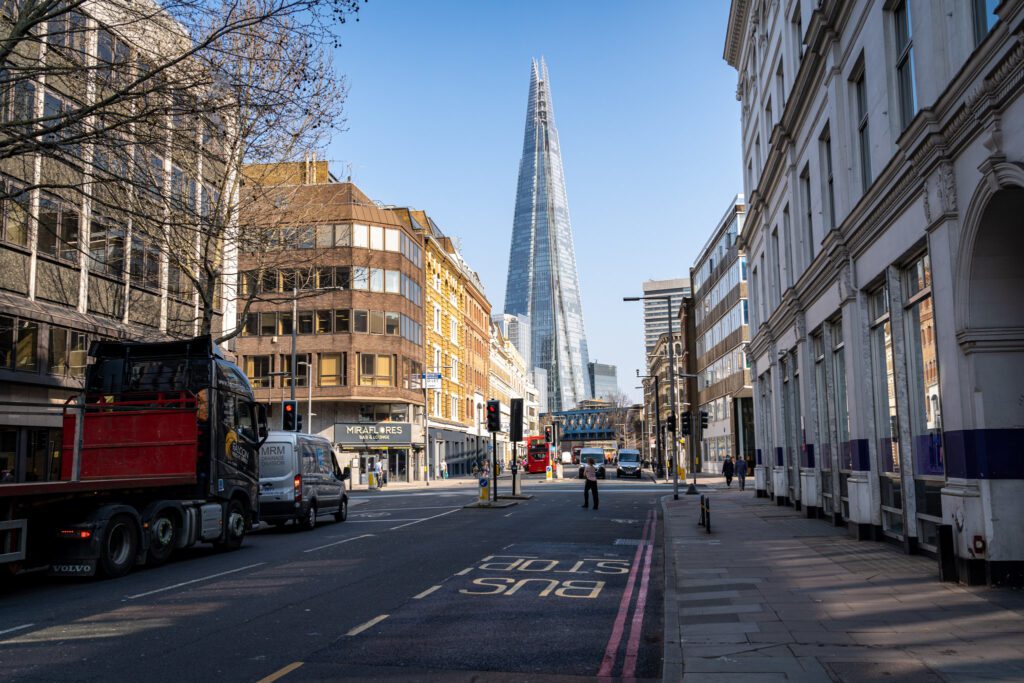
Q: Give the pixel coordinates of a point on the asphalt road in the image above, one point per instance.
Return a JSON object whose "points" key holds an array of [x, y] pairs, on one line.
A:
{"points": [[413, 586]]}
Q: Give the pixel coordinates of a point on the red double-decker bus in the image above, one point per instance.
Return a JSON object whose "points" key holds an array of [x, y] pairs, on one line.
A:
{"points": [[539, 455]]}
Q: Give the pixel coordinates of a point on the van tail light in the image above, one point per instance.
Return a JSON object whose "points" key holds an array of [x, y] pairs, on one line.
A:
{"points": [[298, 487]]}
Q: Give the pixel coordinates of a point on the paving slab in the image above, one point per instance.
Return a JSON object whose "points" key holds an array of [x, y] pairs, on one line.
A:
{"points": [[773, 596]]}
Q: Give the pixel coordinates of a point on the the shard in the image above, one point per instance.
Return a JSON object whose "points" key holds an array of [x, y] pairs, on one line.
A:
{"points": [[542, 278]]}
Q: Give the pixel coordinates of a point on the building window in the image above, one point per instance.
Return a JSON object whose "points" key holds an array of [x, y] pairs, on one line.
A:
{"points": [[840, 401], [360, 236], [392, 323], [376, 322], [58, 230], [790, 241], [360, 277], [985, 18], [15, 205], [776, 270], [797, 27], [302, 370], [860, 96], [923, 370], [805, 200], [453, 330], [376, 370], [780, 89], [883, 383], [826, 169], [332, 370], [68, 352], [145, 263], [437, 318], [258, 369], [360, 321], [455, 370], [324, 322], [342, 320], [821, 406], [305, 322], [905, 80], [455, 407], [106, 247], [19, 344]]}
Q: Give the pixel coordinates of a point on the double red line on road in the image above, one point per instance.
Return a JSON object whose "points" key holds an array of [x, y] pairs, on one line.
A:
{"points": [[633, 644]]}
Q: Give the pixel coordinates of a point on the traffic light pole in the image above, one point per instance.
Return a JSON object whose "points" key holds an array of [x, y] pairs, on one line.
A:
{"points": [[494, 465]]}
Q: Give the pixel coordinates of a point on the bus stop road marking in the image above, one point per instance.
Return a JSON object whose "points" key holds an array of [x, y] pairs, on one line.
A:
{"points": [[426, 593]]}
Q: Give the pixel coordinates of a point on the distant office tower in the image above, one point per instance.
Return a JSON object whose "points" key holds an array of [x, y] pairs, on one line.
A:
{"points": [[655, 313], [604, 381], [542, 279], [516, 329]]}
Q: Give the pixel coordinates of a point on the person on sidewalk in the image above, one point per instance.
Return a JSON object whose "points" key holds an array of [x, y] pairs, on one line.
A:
{"points": [[590, 475], [741, 472], [727, 470], [376, 474]]}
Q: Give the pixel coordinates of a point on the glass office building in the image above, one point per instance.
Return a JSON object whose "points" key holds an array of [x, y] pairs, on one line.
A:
{"points": [[542, 279]]}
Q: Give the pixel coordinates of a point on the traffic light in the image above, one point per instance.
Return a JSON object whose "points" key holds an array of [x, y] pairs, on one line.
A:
{"points": [[515, 420], [671, 423], [703, 420], [494, 415], [685, 423], [289, 411], [547, 434]]}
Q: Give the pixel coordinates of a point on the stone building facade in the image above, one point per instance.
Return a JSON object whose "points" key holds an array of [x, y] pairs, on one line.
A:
{"points": [[883, 147]]}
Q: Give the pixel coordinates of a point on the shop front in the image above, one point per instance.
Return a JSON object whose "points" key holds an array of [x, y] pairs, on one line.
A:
{"points": [[365, 444]]}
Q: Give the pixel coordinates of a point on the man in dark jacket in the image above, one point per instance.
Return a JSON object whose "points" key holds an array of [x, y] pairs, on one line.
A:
{"points": [[727, 470], [741, 473]]}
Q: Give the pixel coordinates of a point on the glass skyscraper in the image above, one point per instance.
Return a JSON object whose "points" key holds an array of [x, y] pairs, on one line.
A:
{"points": [[542, 279]]}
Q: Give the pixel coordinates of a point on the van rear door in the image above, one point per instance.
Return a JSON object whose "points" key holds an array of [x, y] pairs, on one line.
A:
{"points": [[277, 472]]}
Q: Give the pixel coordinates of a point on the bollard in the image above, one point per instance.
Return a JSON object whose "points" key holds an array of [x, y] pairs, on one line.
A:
{"points": [[701, 520], [707, 514]]}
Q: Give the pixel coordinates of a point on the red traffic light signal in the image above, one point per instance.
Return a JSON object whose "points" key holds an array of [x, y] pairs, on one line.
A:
{"points": [[494, 415], [289, 411]]}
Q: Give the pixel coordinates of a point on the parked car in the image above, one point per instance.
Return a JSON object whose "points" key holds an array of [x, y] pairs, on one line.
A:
{"points": [[300, 480], [628, 464], [598, 455]]}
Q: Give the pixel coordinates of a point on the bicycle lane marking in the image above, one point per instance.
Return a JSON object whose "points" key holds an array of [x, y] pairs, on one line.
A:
{"points": [[633, 646]]}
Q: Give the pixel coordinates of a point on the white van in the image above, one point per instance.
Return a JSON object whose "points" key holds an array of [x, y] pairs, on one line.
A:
{"points": [[300, 480], [598, 455]]}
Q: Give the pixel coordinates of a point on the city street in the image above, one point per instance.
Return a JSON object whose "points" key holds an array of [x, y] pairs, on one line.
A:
{"points": [[413, 585]]}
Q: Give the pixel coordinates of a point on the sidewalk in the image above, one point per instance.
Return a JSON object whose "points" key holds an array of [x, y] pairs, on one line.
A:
{"points": [[772, 596]]}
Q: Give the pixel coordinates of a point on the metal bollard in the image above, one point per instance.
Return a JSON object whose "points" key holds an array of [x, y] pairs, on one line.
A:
{"points": [[707, 514], [700, 521]]}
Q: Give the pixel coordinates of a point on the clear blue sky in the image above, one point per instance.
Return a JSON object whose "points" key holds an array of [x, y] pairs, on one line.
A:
{"points": [[646, 113]]}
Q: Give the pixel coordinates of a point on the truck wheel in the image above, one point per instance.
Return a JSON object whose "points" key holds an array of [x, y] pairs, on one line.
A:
{"points": [[234, 531], [163, 536], [342, 514], [118, 547], [309, 521]]}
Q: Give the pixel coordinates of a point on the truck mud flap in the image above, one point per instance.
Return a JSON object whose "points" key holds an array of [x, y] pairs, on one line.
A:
{"points": [[76, 568]]}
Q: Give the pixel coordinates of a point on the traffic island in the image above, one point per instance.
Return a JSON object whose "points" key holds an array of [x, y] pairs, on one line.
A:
{"points": [[500, 503], [519, 496]]}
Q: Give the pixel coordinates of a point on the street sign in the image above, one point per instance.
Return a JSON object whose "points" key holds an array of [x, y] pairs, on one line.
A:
{"points": [[432, 382], [432, 375]]}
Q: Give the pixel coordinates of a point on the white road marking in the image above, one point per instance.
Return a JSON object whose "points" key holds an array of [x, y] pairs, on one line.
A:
{"points": [[464, 571], [346, 540], [378, 521], [371, 623], [280, 673], [510, 514], [16, 628], [425, 593], [188, 583], [429, 507], [424, 519]]}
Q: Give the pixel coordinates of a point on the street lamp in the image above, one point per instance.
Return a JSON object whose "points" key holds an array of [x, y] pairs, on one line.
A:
{"points": [[672, 378], [309, 396], [660, 471]]}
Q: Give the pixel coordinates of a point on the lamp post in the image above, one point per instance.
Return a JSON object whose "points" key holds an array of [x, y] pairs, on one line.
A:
{"points": [[672, 381], [660, 471], [309, 396]]}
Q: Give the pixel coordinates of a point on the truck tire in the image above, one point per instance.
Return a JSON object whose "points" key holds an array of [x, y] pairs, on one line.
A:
{"points": [[163, 537], [234, 527], [118, 546], [308, 523], [342, 514]]}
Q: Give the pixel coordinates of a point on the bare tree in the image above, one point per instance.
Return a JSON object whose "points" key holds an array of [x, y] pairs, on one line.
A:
{"points": [[140, 117]]}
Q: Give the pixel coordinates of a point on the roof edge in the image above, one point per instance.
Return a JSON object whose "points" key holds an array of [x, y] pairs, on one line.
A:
{"points": [[734, 32]]}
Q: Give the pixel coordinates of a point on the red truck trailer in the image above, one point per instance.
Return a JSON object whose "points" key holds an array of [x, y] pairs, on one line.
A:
{"points": [[159, 452]]}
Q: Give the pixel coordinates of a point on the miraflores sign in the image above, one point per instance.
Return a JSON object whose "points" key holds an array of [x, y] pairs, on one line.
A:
{"points": [[360, 433]]}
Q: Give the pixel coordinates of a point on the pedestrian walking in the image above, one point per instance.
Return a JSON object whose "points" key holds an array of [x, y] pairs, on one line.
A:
{"points": [[741, 472], [376, 474], [728, 470], [590, 475]]}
